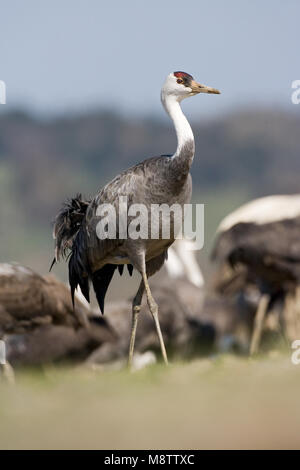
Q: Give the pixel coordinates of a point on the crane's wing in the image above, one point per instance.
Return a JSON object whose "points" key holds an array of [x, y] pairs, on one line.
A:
{"points": [[91, 251]]}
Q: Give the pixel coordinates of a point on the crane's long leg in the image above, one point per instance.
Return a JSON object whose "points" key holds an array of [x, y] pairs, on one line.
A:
{"points": [[258, 323], [154, 311], [136, 307]]}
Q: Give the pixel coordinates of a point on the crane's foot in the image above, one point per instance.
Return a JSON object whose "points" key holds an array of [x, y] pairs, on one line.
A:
{"points": [[143, 360]]}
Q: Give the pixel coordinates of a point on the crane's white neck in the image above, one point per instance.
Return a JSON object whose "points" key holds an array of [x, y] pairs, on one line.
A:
{"points": [[185, 136]]}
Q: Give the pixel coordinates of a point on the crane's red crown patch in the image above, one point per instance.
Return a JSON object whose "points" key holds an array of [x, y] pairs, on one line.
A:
{"points": [[183, 75]]}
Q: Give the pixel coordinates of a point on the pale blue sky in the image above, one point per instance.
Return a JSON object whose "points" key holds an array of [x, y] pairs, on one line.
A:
{"points": [[57, 55]]}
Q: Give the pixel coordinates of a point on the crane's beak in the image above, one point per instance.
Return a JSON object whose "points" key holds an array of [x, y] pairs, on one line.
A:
{"points": [[198, 88]]}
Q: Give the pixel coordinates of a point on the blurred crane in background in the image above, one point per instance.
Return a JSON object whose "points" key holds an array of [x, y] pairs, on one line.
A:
{"points": [[258, 252], [38, 322]]}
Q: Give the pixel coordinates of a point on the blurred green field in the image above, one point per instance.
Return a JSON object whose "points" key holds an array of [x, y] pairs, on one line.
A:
{"points": [[225, 402]]}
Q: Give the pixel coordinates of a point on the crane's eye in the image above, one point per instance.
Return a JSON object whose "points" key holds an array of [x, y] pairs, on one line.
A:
{"points": [[179, 80]]}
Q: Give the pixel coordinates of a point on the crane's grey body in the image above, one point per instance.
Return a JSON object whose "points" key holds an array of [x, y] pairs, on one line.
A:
{"points": [[158, 180], [153, 181]]}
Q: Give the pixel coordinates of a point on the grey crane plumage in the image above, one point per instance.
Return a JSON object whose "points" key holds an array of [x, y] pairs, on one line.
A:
{"points": [[158, 180]]}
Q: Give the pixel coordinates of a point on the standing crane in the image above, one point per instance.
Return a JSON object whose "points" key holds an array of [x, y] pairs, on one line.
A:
{"points": [[159, 180]]}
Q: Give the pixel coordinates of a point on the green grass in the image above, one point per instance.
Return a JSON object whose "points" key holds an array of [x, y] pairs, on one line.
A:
{"points": [[227, 402]]}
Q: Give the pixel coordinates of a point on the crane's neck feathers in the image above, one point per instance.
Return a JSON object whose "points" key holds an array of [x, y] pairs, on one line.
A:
{"points": [[185, 138]]}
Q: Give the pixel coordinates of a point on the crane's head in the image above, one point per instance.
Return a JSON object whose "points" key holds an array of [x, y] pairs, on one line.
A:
{"points": [[182, 85]]}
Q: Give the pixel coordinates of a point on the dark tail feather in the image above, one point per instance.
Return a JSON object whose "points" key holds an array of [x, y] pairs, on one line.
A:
{"points": [[101, 280], [72, 295], [85, 288], [130, 269], [52, 264], [121, 268], [70, 236], [67, 224], [79, 267], [76, 281]]}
